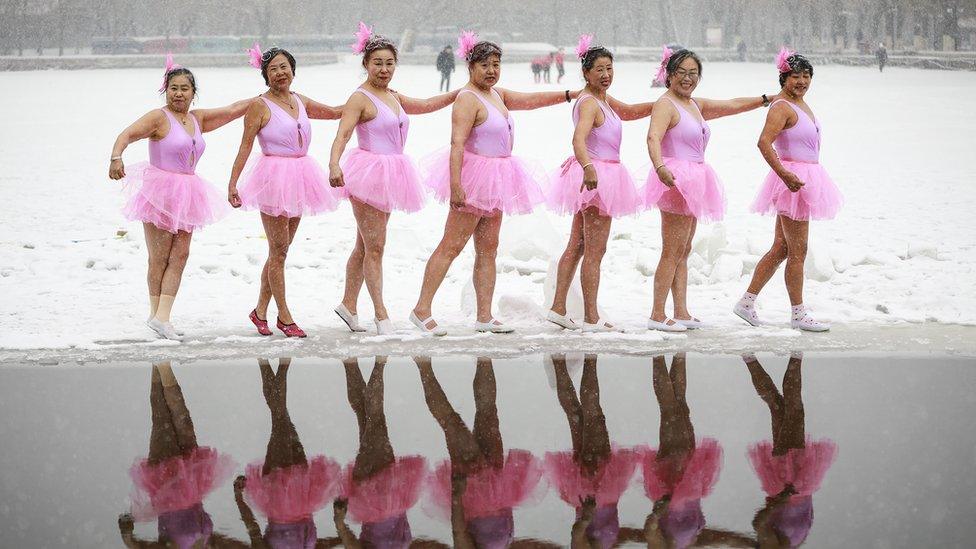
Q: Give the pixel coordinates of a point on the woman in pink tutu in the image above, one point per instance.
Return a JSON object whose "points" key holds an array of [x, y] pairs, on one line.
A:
{"points": [[480, 178], [796, 190], [793, 465], [286, 487], [594, 474], [378, 488], [170, 484], [284, 183], [592, 185], [376, 177], [166, 194], [480, 485], [681, 184]]}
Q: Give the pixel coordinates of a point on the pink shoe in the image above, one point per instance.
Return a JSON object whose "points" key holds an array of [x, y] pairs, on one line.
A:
{"points": [[291, 330], [261, 325]]}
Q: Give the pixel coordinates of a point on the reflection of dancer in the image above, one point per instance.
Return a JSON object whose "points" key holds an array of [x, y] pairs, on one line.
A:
{"points": [[171, 483], [286, 487], [378, 487], [792, 466], [480, 484], [594, 475]]}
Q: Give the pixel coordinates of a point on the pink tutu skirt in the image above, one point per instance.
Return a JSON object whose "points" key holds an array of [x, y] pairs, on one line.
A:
{"points": [[492, 185], [686, 477], [386, 182], [177, 483], [818, 198], [389, 493], [697, 191], [292, 494], [615, 194], [489, 491], [804, 468], [171, 201], [286, 186], [607, 484]]}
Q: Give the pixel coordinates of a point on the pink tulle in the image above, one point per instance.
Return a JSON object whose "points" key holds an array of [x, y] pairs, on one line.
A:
{"points": [[489, 491], [583, 45], [386, 182], [170, 65], [362, 36], [466, 42], [804, 468], [491, 184], [171, 201], [615, 194], [286, 186], [389, 493], [294, 493], [697, 191], [254, 55], [662, 70], [781, 59], [686, 477], [177, 483], [607, 483], [818, 198]]}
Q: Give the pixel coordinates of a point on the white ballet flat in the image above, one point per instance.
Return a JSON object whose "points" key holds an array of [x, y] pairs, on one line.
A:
{"points": [[384, 327], [692, 323], [809, 324], [664, 326], [748, 314], [493, 326], [351, 320], [563, 321], [164, 329], [178, 332], [422, 324], [599, 326]]}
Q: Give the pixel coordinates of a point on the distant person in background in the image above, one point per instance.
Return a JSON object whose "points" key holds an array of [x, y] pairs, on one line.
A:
{"points": [[560, 68], [547, 66], [882, 54], [445, 64], [741, 49], [537, 70]]}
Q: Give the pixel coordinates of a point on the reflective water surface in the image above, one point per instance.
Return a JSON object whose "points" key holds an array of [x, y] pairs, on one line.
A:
{"points": [[538, 451]]}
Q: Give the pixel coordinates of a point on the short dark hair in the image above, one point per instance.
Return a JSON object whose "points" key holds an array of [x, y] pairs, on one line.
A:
{"points": [[592, 54], [483, 50], [270, 54], [376, 43], [798, 64], [675, 61], [180, 71]]}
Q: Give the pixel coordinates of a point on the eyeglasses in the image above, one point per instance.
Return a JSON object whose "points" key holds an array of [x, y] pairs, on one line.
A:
{"points": [[681, 73]]}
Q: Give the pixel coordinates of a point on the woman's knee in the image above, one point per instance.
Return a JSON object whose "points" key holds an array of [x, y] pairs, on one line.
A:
{"points": [[277, 251], [797, 250]]}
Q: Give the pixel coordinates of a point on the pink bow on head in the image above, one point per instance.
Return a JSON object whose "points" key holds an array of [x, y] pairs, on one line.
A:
{"points": [[362, 36], [662, 71], [782, 62], [170, 65], [255, 55], [583, 45], [466, 42]]}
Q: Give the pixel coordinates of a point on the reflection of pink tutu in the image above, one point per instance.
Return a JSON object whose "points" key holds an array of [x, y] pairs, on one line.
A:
{"points": [[177, 483], [389, 493], [286, 186], [491, 184], [489, 491], [292, 494], [386, 182], [684, 477], [615, 194], [697, 191], [804, 468], [818, 198], [171, 201], [607, 484]]}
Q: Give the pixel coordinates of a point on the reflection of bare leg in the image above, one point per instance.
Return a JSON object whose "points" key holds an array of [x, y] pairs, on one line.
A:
{"points": [[677, 434], [767, 391], [163, 441], [375, 450], [284, 447], [486, 429], [356, 391], [792, 433], [179, 414], [596, 439], [569, 402], [461, 444]]}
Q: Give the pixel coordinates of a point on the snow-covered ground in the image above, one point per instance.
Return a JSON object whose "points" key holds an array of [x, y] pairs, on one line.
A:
{"points": [[899, 145]]}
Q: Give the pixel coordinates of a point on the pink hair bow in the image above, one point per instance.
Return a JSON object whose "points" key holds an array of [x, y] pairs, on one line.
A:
{"points": [[583, 45], [662, 71], [466, 42], [170, 65], [362, 36], [782, 62], [255, 55]]}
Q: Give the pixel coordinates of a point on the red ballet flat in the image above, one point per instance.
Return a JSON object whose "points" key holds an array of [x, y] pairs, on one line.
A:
{"points": [[291, 330], [261, 325]]}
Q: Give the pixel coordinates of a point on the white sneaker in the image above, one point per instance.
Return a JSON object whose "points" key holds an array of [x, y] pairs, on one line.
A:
{"points": [[384, 327], [351, 320], [692, 323], [808, 324], [563, 321], [422, 324], [599, 326], [664, 326], [493, 326], [748, 314], [164, 329], [178, 332]]}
